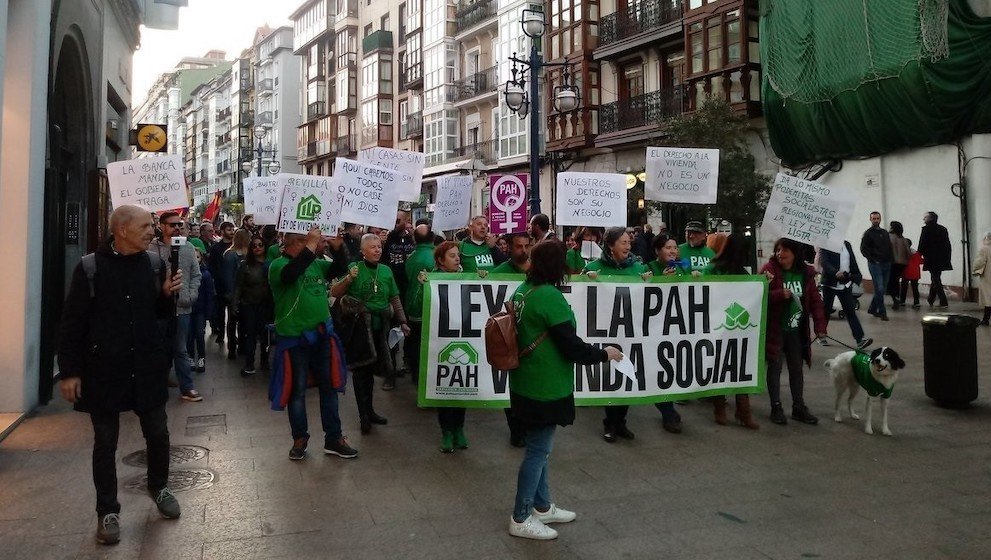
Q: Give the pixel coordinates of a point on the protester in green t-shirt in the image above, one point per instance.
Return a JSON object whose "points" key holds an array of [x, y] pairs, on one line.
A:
{"points": [[373, 289], [582, 235], [668, 261], [478, 250], [519, 255], [420, 260], [299, 286], [541, 389], [694, 249], [793, 299]]}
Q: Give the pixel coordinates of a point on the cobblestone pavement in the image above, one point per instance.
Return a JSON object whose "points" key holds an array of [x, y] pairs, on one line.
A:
{"points": [[828, 491]]}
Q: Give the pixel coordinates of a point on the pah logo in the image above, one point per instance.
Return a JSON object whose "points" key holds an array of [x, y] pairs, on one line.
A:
{"points": [[457, 366], [737, 318], [308, 208]]}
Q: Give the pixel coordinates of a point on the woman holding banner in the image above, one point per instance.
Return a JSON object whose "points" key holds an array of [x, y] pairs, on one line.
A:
{"points": [[541, 389], [668, 261], [576, 257], [617, 260], [794, 298]]}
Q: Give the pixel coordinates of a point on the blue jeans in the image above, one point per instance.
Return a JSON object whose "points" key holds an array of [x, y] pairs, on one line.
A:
{"points": [[849, 308], [313, 358], [180, 358], [880, 272], [196, 341], [531, 483]]}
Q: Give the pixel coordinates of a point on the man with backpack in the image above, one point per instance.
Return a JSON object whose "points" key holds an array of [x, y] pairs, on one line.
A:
{"points": [[113, 356]]}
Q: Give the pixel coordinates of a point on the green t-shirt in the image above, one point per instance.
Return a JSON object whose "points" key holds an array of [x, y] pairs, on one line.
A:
{"points": [[508, 267], [544, 374], [373, 286], [475, 256], [302, 305], [793, 311], [273, 252], [861, 364], [698, 256], [605, 268], [422, 258], [575, 261], [657, 269]]}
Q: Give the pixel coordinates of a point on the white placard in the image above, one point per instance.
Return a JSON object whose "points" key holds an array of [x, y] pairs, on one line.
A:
{"points": [[809, 212], [453, 205], [682, 175], [409, 165], [591, 199], [263, 199], [371, 193], [156, 183], [307, 201]]}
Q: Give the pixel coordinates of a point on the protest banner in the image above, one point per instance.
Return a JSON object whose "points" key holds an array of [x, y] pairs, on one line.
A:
{"points": [[809, 212], [263, 199], [408, 164], [682, 175], [307, 201], [453, 203], [507, 203], [686, 338], [371, 195], [591, 199], [156, 183]]}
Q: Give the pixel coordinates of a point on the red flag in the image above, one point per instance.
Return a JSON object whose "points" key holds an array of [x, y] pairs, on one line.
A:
{"points": [[212, 209]]}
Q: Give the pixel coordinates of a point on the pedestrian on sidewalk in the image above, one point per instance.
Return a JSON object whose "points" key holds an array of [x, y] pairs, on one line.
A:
{"points": [[900, 251], [196, 341], [233, 257], [911, 275], [794, 300], [113, 356], [982, 270], [541, 389], [934, 244], [251, 299], [839, 273], [306, 346], [875, 245], [171, 225]]}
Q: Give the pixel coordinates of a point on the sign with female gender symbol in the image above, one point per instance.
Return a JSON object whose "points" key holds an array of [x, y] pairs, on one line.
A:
{"points": [[507, 203]]}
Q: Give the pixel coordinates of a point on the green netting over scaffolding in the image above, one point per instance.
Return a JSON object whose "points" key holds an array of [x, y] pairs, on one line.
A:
{"points": [[859, 78]]}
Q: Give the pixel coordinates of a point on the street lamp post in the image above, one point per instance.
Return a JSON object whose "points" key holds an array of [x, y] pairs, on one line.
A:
{"points": [[566, 96], [260, 132]]}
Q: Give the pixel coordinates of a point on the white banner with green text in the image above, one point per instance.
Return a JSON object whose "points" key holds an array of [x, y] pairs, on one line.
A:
{"points": [[687, 338]]}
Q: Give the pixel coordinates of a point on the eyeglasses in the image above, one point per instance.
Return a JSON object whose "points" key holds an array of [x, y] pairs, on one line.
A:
{"points": [[174, 224]]}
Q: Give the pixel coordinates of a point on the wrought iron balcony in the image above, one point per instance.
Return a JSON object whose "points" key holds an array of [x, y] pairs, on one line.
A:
{"points": [[470, 14], [641, 110], [643, 16], [488, 152], [477, 84]]}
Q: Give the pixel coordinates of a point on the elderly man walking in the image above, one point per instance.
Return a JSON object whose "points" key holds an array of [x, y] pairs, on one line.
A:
{"points": [[113, 356]]}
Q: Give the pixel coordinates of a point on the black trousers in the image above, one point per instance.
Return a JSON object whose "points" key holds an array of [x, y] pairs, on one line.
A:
{"points": [[791, 355], [106, 428], [936, 288], [450, 418], [615, 416], [411, 349]]}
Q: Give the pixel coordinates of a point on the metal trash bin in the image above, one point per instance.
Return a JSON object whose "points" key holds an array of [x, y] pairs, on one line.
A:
{"points": [[949, 346]]}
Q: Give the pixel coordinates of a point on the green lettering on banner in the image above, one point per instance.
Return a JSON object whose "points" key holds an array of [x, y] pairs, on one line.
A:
{"points": [[687, 338]]}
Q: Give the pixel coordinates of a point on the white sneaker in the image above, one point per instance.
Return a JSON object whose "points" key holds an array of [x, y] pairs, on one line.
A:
{"points": [[555, 515], [532, 528]]}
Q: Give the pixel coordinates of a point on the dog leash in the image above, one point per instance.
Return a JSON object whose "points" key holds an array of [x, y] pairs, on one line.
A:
{"points": [[845, 345]]}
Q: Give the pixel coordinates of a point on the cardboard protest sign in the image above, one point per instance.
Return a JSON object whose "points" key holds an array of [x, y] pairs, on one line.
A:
{"points": [[591, 199], [809, 212], [263, 199], [156, 183], [685, 338], [507, 203], [453, 203], [370, 192], [682, 175], [308, 201], [409, 165]]}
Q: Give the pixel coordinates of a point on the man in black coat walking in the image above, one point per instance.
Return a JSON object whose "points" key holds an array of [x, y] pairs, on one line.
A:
{"points": [[114, 357], [876, 248], [934, 244]]}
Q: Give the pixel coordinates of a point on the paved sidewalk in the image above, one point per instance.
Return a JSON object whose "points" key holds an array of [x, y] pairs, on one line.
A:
{"points": [[797, 491]]}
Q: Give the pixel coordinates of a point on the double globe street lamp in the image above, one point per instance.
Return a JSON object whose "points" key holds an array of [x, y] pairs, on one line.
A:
{"points": [[566, 95], [274, 167]]}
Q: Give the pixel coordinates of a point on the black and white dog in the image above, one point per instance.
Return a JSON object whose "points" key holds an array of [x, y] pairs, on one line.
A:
{"points": [[876, 373]]}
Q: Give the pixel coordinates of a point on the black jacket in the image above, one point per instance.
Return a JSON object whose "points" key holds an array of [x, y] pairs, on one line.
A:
{"points": [[113, 340], [830, 263], [876, 246], [934, 244]]}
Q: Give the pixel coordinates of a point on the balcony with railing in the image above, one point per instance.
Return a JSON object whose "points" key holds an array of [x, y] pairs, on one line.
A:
{"points": [[223, 167], [640, 23], [487, 152], [414, 76], [223, 139], [645, 111], [483, 83], [378, 40], [472, 13], [412, 127], [315, 110], [264, 118], [223, 114], [265, 86]]}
